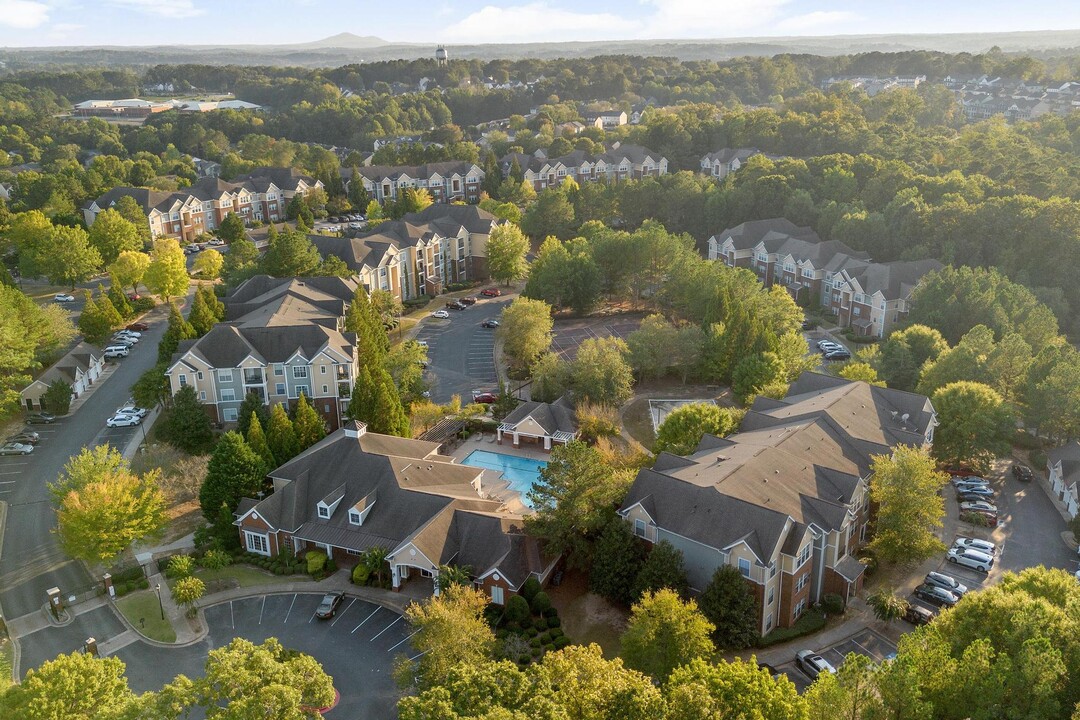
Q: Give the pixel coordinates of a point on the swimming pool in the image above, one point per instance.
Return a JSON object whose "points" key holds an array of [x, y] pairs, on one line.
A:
{"points": [[520, 472]]}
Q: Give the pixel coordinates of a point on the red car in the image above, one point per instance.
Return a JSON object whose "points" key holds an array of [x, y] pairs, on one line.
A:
{"points": [[485, 398], [491, 292], [467, 300], [134, 296], [138, 327]]}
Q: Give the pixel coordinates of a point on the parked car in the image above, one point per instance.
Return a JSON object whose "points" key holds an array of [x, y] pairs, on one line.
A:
{"points": [[973, 497], [485, 398], [984, 546], [471, 300], [946, 581], [936, 595], [63, 297], [119, 420], [116, 351], [978, 505], [216, 242], [131, 409], [983, 491], [490, 323], [123, 340], [958, 480], [966, 485], [134, 296], [329, 605], [807, 324], [14, 448], [980, 518], [138, 327], [129, 333], [423, 343], [813, 664], [41, 418], [491, 292], [456, 305], [840, 354], [27, 437], [773, 672], [918, 615], [1022, 473], [970, 558], [826, 345], [441, 314]]}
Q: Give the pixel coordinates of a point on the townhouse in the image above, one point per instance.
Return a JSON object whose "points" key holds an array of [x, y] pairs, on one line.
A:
{"points": [[867, 296], [260, 196], [355, 490], [450, 181], [621, 162], [604, 119], [419, 254], [1063, 469], [725, 161], [786, 499], [80, 368], [282, 337]]}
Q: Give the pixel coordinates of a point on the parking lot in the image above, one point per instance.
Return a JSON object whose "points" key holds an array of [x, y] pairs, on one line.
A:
{"points": [[461, 353], [569, 334], [357, 647], [865, 642]]}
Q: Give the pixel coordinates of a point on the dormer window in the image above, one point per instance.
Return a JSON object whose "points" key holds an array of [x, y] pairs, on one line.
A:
{"points": [[324, 511], [354, 517]]}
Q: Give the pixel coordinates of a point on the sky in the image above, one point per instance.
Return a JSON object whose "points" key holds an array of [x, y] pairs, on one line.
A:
{"points": [[218, 22]]}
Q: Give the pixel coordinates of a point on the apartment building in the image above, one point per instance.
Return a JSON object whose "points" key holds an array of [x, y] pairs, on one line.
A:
{"points": [[725, 161], [450, 181], [419, 254], [282, 337], [621, 162], [260, 196], [786, 499], [867, 296]]}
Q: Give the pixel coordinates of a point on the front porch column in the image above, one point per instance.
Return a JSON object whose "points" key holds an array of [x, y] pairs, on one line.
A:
{"points": [[396, 577], [517, 440], [498, 435], [435, 585], [547, 442]]}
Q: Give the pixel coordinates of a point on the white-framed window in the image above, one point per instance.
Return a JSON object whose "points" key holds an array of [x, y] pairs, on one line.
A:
{"points": [[322, 369], [762, 257], [279, 389], [279, 369], [802, 582], [224, 375], [768, 623], [640, 528], [744, 567], [303, 389], [324, 511], [799, 608], [325, 389], [772, 596], [350, 551], [199, 375], [227, 395], [855, 311], [202, 395], [229, 414], [772, 569], [182, 380], [257, 543], [354, 517], [497, 596], [300, 371], [804, 555]]}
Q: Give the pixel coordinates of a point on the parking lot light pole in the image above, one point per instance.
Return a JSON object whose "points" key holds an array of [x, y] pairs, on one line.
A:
{"points": [[157, 589]]}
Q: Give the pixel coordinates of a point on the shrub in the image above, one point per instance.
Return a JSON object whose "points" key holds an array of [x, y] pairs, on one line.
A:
{"points": [[279, 570], [144, 584], [554, 622], [870, 560], [215, 559], [316, 562], [540, 623], [1038, 459], [540, 603], [501, 633], [555, 633], [550, 647], [142, 305], [360, 574], [331, 566], [561, 642], [529, 589], [535, 642], [517, 609], [531, 632], [832, 604], [180, 566], [550, 612]]}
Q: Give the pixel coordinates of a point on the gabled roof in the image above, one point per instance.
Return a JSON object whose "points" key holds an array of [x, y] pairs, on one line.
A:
{"points": [[747, 235], [552, 417], [894, 280], [376, 173], [725, 155], [1069, 457]]}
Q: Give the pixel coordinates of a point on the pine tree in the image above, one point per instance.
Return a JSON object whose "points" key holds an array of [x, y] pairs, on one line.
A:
{"points": [[310, 427], [201, 316], [281, 436], [362, 402], [210, 297], [376, 402], [363, 319], [234, 472], [188, 425], [92, 322], [179, 329], [119, 301], [256, 440], [108, 310], [253, 403]]}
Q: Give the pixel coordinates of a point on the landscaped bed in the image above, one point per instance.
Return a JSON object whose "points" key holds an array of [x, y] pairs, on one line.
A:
{"points": [[144, 613]]}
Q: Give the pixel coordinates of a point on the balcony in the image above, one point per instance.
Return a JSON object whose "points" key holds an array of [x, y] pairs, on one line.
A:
{"points": [[253, 377], [342, 372]]}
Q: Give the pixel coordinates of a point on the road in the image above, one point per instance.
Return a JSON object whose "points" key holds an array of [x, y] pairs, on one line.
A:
{"points": [[32, 560], [460, 352]]}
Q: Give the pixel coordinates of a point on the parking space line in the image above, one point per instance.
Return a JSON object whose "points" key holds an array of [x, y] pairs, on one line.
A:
{"points": [[334, 622], [16, 472], [414, 657], [261, 609], [396, 620], [402, 642], [866, 650], [232, 616], [290, 609], [366, 619], [6, 482]]}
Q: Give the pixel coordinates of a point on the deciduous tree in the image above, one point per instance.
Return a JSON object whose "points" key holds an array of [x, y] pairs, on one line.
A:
{"points": [[290, 254], [600, 372], [906, 488], [663, 568], [111, 235], [231, 229], [684, 426], [128, 269], [79, 685], [729, 604], [665, 632], [449, 630], [525, 330], [736, 689], [617, 560], [167, 273], [975, 424], [209, 264], [506, 249]]}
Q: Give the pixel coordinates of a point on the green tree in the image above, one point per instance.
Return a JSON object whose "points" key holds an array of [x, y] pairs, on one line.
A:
{"points": [[235, 471], [290, 254], [30, 333], [119, 301], [650, 346], [231, 229], [111, 235], [600, 372], [253, 403], [94, 324], [358, 195], [729, 604], [108, 310], [68, 257], [333, 266], [412, 200], [128, 269], [736, 689], [887, 605], [574, 499], [684, 426], [905, 351], [755, 373], [152, 388], [365, 320], [663, 568], [201, 316], [506, 249], [130, 210], [102, 507], [187, 425], [551, 214], [79, 685], [57, 397], [550, 378], [376, 402], [860, 372], [281, 436], [406, 363], [664, 633], [241, 261], [167, 273], [209, 264], [309, 425], [178, 329], [525, 330], [906, 487], [449, 630], [975, 424], [188, 591], [617, 560], [256, 440]]}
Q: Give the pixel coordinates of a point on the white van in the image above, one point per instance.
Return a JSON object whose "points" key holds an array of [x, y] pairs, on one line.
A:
{"points": [[116, 351]]}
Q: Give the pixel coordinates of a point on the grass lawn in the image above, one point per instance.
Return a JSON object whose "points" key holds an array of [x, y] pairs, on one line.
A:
{"points": [[6, 651], [244, 576], [588, 618], [142, 610]]}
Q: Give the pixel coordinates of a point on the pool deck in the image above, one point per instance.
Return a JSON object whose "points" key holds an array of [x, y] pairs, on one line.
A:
{"points": [[492, 478]]}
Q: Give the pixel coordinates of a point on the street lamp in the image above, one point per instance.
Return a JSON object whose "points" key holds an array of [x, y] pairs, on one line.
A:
{"points": [[157, 589]]}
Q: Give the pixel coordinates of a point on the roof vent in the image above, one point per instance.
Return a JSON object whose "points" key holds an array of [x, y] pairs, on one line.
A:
{"points": [[895, 413], [355, 428], [905, 417]]}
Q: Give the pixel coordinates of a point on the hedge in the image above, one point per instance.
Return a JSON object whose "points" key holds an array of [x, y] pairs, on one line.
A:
{"points": [[810, 622]]}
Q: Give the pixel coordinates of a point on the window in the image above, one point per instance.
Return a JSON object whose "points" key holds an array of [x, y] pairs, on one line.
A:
{"points": [[199, 375], [202, 395], [804, 555], [257, 543], [303, 389], [803, 581], [324, 512], [224, 375], [768, 623], [322, 369], [279, 389], [279, 370], [744, 567], [497, 595], [856, 311], [227, 394], [639, 528], [299, 371], [325, 389], [354, 517], [772, 596], [799, 608], [229, 414], [182, 380], [772, 569]]}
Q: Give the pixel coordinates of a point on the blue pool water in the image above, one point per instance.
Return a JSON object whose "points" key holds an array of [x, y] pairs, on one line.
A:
{"points": [[520, 472]]}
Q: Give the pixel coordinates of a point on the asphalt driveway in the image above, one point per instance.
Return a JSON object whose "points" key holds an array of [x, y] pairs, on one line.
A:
{"points": [[461, 352]]}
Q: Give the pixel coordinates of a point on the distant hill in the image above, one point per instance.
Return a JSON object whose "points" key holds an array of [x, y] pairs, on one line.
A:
{"points": [[343, 40]]}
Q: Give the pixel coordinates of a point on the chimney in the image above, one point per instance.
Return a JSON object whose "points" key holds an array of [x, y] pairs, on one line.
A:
{"points": [[355, 428]]}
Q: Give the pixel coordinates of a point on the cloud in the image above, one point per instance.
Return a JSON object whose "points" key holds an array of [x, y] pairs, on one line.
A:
{"points": [[23, 14], [63, 31], [710, 18], [537, 21], [820, 21], [176, 9]]}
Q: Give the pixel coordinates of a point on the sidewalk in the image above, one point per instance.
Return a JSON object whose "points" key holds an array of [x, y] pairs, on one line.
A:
{"points": [[106, 373]]}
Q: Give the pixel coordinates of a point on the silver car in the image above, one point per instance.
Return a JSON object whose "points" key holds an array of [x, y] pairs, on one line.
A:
{"points": [[971, 558], [14, 448], [813, 664]]}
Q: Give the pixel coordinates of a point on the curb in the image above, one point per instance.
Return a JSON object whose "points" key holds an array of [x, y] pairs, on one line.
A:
{"points": [[16, 652]]}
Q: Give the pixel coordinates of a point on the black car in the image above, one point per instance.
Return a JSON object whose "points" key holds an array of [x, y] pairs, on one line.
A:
{"points": [[490, 323], [918, 615], [936, 595], [807, 324], [456, 305], [1023, 473], [841, 354], [28, 437], [41, 418], [329, 605], [468, 300], [971, 496]]}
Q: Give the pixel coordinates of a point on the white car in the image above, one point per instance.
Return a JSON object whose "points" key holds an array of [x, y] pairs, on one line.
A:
{"points": [[423, 343], [978, 505], [131, 410], [125, 339], [63, 297], [116, 351], [440, 314], [813, 664], [983, 546], [123, 421], [971, 558], [216, 242], [129, 333]]}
